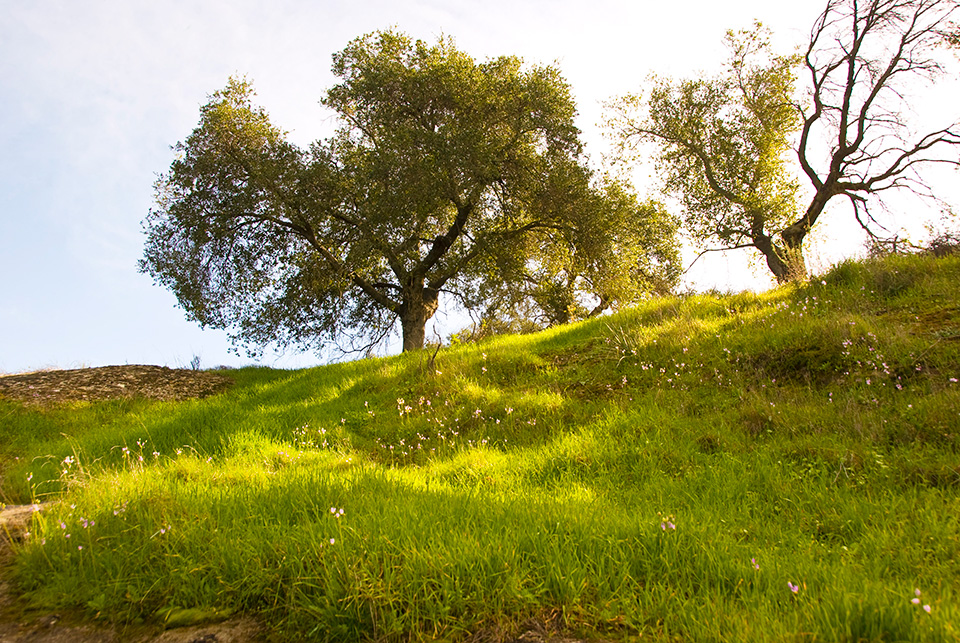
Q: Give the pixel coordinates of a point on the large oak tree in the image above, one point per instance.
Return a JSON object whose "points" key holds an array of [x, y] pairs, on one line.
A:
{"points": [[442, 176]]}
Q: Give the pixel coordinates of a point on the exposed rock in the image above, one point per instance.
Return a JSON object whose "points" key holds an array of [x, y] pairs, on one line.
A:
{"points": [[111, 382]]}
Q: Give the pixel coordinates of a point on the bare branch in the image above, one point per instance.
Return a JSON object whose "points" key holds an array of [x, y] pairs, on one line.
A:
{"points": [[857, 52], [697, 258]]}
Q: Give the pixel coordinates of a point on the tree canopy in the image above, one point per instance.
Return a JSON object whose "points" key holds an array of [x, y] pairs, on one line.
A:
{"points": [[614, 252], [722, 146], [444, 176]]}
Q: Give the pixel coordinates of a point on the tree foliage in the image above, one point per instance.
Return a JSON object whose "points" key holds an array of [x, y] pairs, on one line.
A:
{"points": [[722, 142], [722, 145], [616, 252], [444, 176]]}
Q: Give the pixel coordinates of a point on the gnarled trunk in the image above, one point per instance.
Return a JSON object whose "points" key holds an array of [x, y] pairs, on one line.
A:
{"points": [[788, 258], [419, 305], [785, 262]]}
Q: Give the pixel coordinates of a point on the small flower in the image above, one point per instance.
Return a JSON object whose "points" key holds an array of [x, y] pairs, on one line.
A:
{"points": [[793, 588], [332, 540], [79, 547], [926, 608], [756, 565], [915, 601]]}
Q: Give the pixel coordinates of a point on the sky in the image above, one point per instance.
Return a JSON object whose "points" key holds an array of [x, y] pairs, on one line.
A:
{"points": [[93, 95]]}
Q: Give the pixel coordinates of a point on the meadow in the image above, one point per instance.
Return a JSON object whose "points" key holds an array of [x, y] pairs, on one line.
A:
{"points": [[780, 466]]}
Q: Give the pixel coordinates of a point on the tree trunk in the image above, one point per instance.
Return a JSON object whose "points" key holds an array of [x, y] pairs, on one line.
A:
{"points": [[785, 262], [419, 305], [793, 236]]}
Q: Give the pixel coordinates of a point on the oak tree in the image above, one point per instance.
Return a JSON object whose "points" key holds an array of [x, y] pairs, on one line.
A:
{"points": [[722, 147], [722, 141], [616, 252], [441, 174]]}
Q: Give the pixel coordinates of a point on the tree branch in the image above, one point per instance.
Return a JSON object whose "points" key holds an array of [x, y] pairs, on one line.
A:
{"points": [[697, 258]]}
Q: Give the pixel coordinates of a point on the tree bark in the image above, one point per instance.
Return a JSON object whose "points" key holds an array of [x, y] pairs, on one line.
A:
{"points": [[419, 305], [785, 262], [789, 257]]}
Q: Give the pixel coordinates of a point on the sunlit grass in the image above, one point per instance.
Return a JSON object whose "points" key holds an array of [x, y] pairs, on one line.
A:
{"points": [[781, 466]]}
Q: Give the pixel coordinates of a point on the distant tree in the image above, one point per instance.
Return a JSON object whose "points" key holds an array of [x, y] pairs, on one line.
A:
{"points": [[615, 252], [445, 175], [723, 144], [854, 139]]}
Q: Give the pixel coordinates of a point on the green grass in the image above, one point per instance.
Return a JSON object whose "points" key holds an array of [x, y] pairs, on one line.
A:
{"points": [[666, 473]]}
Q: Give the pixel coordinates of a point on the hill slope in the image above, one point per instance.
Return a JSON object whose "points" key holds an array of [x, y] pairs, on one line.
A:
{"points": [[781, 466]]}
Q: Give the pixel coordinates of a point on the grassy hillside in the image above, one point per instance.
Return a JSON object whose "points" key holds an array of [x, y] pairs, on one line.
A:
{"points": [[770, 467]]}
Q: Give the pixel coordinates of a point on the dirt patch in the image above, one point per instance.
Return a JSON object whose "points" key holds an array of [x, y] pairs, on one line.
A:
{"points": [[111, 382]]}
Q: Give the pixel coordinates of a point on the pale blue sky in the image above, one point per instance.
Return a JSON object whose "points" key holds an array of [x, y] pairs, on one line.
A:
{"points": [[94, 93]]}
